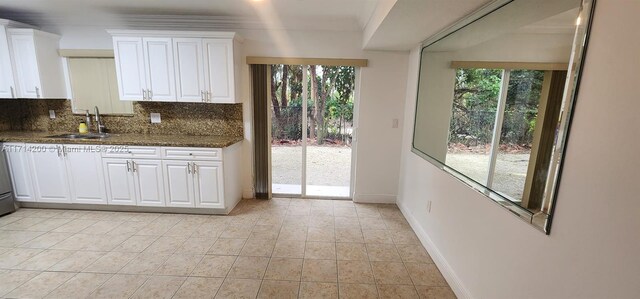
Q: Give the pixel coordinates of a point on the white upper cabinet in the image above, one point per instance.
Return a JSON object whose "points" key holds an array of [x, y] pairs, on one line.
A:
{"points": [[171, 66], [161, 83], [130, 70], [189, 62], [35, 69], [26, 65], [7, 85], [220, 70]]}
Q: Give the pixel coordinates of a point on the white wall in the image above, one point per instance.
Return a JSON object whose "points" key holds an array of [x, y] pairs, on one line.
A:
{"points": [[382, 84], [592, 252], [382, 91]]}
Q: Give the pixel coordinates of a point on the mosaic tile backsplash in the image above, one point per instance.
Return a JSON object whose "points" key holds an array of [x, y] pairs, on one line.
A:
{"points": [[177, 118]]}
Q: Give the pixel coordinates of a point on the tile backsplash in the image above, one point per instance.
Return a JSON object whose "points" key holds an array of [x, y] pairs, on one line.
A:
{"points": [[177, 118]]}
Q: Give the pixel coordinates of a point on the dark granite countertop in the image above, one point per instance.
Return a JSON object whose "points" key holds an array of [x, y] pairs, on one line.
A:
{"points": [[124, 139]]}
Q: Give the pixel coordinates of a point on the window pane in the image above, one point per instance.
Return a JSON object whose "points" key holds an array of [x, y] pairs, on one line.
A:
{"points": [[286, 130], [518, 128], [475, 100]]}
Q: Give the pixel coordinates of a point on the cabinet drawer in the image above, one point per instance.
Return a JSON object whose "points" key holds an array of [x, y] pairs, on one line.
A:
{"points": [[192, 153], [139, 152]]}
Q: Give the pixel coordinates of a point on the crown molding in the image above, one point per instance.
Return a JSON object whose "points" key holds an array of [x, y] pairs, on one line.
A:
{"points": [[228, 23], [14, 24], [172, 33]]}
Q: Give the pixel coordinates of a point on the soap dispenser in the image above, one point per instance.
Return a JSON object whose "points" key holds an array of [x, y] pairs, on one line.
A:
{"points": [[83, 128]]}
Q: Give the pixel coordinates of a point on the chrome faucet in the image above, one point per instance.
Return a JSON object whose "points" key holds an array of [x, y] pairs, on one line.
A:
{"points": [[99, 126]]}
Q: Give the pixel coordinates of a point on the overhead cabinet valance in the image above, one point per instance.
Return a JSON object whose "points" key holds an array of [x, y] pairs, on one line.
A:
{"points": [[176, 66]]}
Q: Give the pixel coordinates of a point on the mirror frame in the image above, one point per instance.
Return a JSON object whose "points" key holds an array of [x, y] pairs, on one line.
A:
{"points": [[538, 220]]}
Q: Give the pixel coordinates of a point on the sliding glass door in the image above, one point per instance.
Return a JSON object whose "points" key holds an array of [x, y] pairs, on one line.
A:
{"points": [[311, 130]]}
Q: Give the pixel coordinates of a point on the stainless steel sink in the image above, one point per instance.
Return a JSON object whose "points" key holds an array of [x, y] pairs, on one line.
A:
{"points": [[80, 136]]}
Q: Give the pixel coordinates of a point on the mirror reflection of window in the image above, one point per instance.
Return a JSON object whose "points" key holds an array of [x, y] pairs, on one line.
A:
{"points": [[494, 131], [494, 99], [93, 83]]}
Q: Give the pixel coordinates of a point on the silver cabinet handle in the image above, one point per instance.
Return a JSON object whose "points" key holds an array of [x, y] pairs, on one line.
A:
{"points": [[37, 92], [133, 166], [208, 97], [58, 151], [202, 95], [149, 95], [195, 168], [128, 166], [144, 94], [64, 151], [13, 95], [189, 168]]}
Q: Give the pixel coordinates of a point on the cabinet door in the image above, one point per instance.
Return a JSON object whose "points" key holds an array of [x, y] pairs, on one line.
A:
{"points": [[86, 177], [161, 78], [149, 182], [208, 184], [119, 182], [219, 70], [189, 66], [178, 183], [25, 64], [18, 160], [130, 70], [49, 173], [7, 86]]}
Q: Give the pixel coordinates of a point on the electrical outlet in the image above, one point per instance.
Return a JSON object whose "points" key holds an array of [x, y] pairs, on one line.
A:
{"points": [[394, 123], [429, 207], [155, 118], [52, 114]]}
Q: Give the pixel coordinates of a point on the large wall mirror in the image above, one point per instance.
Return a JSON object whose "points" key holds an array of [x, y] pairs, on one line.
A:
{"points": [[495, 97]]}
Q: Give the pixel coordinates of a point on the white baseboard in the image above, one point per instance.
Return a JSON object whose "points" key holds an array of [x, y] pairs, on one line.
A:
{"points": [[374, 198], [448, 272]]}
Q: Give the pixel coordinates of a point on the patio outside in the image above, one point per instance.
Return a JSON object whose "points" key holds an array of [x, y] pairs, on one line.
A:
{"points": [[328, 170]]}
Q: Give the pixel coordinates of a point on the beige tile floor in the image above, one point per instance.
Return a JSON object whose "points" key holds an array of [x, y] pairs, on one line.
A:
{"points": [[282, 248]]}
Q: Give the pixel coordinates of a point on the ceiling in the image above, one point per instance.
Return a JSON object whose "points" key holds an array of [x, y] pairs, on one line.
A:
{"points": [[385, 24], [286, 14], [409, 22]]}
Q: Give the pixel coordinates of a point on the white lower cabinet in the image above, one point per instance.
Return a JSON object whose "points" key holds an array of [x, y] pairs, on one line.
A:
{"points": [[157, 177], [148, 179], [208, 184], [121, 188], [134, 182], [48, 170], [194, 184], [56, 173], [85, 175], [66, 173], [20, 170], [178, 183]]}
